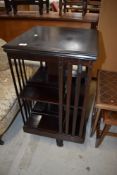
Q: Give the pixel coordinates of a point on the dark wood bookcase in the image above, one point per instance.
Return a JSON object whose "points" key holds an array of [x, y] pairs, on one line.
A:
{"points": [[53, 102]]}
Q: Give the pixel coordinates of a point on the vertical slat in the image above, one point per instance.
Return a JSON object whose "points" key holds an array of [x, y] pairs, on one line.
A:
{"points": [[41, 64], [76, 100], [16, 89], [60, 96], [27, 104], [19, 77], [21, 72], [24, 70], [69, 83], [85, 100]]}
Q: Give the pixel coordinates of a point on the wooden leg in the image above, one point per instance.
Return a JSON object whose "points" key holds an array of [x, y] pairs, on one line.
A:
{"points": [[94, 124], [59, 142], [14, 9], [8, 6], [41, 7], [64, 7], [1, 141], [100, 137], [47, 6], [60, 7]]}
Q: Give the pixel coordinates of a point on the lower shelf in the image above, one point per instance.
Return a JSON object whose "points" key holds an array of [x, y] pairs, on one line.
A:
{"points": [[45, 123], [48, 126]]}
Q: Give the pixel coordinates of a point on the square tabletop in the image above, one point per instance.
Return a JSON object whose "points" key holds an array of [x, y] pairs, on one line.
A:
{"points": [[57, 41]]}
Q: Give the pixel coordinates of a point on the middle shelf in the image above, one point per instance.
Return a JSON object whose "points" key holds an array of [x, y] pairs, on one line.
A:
{"points": [[42, 93]]}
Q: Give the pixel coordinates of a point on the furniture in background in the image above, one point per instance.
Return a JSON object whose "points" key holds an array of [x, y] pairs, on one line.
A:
{"points": [[93, 6], [109, 119], [8, 6], [13, 4], [79, 5], [55, 101], [2, 5], [9, 106], [106, 99]]}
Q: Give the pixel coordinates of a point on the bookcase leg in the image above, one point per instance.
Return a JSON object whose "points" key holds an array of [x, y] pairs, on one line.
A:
{"points": [[59, 142], [1, 141]]}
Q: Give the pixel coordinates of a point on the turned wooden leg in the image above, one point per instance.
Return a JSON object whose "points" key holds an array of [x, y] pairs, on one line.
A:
{"points": [[100, 136], [59, 142], [95, 119]]}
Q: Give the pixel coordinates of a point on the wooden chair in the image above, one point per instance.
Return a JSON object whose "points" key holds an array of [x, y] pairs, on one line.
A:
{"points": [[109, 119], [93, 5], [8, 6], [15, 3], [81, 6], [106, 96]]}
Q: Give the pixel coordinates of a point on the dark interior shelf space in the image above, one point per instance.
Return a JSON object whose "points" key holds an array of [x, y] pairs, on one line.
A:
{"points": [[45, 109], [44, 94], [42, 123], [77, 122], [42, 78]]}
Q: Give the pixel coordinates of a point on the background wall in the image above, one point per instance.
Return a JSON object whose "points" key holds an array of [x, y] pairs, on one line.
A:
{"points": [[107, 36]]}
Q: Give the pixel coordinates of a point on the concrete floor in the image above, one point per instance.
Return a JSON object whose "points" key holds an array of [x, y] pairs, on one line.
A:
{"points": [[26, 154]]}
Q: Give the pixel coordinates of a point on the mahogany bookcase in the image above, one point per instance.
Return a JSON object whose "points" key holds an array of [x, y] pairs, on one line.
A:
{"points": [[53, 101]]}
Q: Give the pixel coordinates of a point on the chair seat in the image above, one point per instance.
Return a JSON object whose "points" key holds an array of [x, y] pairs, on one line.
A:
{"points": [[107, 90], [110, 118]]}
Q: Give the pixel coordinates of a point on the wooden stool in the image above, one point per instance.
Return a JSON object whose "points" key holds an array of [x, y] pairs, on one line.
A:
{"points": [[106, 96], [110, 119]]}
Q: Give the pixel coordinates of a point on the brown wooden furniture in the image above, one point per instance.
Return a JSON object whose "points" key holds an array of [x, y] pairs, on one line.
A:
{"points": [[24, 22], [93, 6], [55, 101], [80, 4], [109, 119], [8, 6], [106, 95], [12, 4]]}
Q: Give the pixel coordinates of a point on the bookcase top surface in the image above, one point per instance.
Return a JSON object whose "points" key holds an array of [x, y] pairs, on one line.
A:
{"points": [[78, 43]]}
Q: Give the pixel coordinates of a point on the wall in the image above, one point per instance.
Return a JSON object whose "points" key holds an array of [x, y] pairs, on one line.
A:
{"points": [[107, 36]]}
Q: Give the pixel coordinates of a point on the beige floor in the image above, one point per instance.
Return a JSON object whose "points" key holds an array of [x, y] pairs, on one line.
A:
{"points": [[26, 154]]}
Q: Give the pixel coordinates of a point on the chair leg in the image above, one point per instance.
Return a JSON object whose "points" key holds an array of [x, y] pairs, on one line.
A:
{"points": [[59, 142], [8, 6], [60, 7], [84, 7], [47, 6], [14, 9], [41, 7], [94, 121], [64, 7], [100, 136]]}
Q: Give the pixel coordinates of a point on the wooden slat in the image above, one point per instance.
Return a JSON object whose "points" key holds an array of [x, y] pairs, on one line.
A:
{"points": [[19, 78], [69, 83], [24, 70], [16, 88], [88, 78], [60, 95], [77, 95]]}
